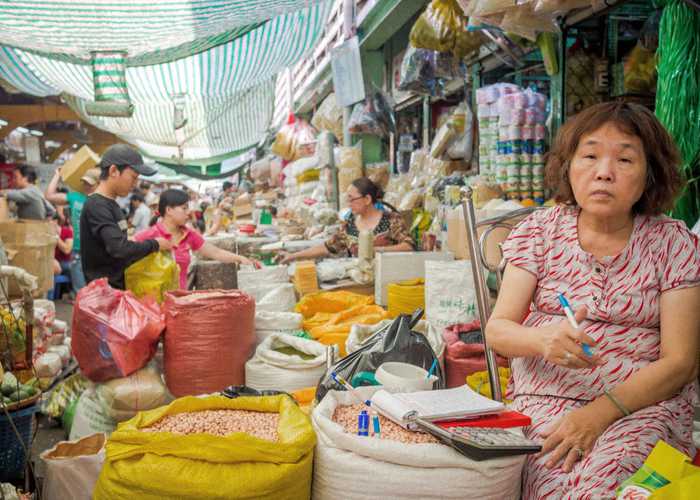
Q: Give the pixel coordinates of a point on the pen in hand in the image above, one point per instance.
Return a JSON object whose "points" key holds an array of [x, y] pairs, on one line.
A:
{"points": [[572, 320]]}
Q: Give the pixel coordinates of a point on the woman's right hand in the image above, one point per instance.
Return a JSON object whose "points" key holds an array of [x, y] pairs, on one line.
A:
{"points": [[561, 344], [284, 258]]}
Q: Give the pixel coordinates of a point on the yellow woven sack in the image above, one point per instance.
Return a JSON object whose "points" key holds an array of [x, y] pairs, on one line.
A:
{"points": [[479, 381], [153, 275], [157, 465], [310, 175], [405, 297], [330, 302]]}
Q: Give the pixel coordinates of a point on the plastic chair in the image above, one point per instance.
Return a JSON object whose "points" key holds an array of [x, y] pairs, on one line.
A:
{"points": [[58, 280], [477, 247]]}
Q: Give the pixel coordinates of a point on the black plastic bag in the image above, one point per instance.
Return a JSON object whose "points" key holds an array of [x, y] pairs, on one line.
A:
{"points": [[396, 342]]}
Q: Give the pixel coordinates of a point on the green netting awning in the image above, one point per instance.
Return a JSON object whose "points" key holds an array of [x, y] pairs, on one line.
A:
{"points": [[224, 96], [150, 32]]}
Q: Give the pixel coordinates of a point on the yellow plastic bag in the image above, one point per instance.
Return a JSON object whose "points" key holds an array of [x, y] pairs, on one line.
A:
{"points": [[405, 297], [153, 275], [443, 27], [156, 465], [479, 381]]}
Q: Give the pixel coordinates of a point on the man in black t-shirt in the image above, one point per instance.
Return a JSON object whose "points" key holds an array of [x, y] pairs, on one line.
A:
{"points": [[105, 249]]}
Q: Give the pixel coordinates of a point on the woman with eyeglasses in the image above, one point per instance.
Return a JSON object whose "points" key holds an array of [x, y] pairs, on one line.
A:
{"points": [[367, 213]]}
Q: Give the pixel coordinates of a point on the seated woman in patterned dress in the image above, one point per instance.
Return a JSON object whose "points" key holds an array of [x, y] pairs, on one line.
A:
{"points": [[632, 275], [367, 213]]}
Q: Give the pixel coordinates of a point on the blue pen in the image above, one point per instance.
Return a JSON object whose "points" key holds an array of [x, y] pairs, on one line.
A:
{"points": [[572, 320]]}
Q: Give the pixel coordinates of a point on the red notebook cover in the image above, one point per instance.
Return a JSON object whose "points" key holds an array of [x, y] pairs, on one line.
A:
{"points": [[503, 420]]}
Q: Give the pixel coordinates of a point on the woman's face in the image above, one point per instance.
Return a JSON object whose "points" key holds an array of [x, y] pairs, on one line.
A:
{"points": [[357, 203], [180, 214], [608, 172]]}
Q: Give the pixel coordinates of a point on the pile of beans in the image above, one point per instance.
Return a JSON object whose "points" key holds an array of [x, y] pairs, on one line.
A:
{"points": [[346, 416], [220, 423]]}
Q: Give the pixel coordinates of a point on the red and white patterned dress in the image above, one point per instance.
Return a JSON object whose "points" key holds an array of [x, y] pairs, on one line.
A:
{"points": [[622, 296]]}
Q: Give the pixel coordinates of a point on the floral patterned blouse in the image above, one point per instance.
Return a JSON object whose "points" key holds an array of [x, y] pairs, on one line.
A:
{"points": [[391, 230]]}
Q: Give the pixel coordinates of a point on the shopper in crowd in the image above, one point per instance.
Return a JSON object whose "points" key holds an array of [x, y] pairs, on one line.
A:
{"points": [[221, 217], [367, 213], [75, 201], [632, 275], [29, 199], [173, 210], [105, 249], [64, 245], [141, 217]]}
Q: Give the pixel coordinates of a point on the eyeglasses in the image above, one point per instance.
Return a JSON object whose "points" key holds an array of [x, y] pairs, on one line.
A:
{"points": [[350, 200]]}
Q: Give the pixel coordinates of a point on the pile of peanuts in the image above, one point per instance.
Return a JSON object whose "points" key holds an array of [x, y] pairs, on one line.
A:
{"points": [[346, 417], [220, 423]]}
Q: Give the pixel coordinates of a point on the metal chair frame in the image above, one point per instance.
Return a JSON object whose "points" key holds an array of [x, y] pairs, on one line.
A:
{"points": [[476, 247]]}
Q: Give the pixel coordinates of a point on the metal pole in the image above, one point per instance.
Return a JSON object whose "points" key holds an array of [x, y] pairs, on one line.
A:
{"points": [[348, 32], [334, 173], [482, 291]]}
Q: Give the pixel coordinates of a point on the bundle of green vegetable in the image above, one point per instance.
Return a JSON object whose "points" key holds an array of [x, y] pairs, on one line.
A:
{"points": [[678, 96], [13, 391]]}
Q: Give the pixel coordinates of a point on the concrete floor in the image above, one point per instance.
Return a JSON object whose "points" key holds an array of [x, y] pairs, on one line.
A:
{"points": [[49, 433]]}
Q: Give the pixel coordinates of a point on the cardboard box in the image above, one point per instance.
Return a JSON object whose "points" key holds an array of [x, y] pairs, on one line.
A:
{"points": [[82, 161], [30, 245], [392, 267], [457, 234]]}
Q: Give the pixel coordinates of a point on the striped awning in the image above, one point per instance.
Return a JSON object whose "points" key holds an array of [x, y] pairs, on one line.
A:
{"points": [[226, 93], [149, 31]]}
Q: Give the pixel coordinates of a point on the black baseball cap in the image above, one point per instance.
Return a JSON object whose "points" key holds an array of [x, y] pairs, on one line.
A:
{"points": [[123, 155]]}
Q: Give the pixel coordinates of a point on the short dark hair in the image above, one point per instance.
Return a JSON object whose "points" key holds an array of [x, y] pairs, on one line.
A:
{"points": [[227, 185], [664, 180], [28, 172], [172, 198], [104, 170], [138, 197]]}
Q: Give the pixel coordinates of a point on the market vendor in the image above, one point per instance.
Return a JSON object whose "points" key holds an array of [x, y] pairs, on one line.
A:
{"points": [[105, 249], [632, 275], [174, 214], [367, 213]]}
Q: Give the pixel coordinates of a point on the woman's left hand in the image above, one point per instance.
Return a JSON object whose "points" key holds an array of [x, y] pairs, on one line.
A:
{"points": [[573, 436]]}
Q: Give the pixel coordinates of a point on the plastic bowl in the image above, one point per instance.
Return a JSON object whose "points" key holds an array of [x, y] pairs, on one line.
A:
{"points": [[404, 377]]}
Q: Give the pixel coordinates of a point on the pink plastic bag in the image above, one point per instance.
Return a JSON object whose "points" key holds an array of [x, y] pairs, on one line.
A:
{"points": [[210, 335], [114, 334]]}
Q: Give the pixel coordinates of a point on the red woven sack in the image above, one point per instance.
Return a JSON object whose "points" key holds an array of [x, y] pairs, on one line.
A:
{"points": [[114, 333], [462, 359], [209, 336]]}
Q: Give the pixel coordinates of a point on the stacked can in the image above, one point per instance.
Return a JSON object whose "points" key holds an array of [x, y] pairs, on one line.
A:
{"points": [[521, 145], [491, 165]]}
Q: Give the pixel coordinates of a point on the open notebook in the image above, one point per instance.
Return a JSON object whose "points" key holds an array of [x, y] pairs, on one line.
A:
{"points": [[446, 404]]}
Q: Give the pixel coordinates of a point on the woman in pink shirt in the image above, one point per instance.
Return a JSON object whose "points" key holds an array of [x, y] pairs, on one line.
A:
{"points": [[172, 225]]}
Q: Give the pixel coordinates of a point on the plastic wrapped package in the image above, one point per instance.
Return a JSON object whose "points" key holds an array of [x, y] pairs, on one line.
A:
{"points": [[398, 342], [301, 166], [283, 145], [378, 173], [294, 140], [114, 333], [63, 352], [64, 394], [324, 149], [48, 365], [260, 170], [156, 465], [417, 72], [462, 146], [525, 22], [123, 398], [373, 116], [558, 7], [287, 363], [153, 275], [439, 26], [329, 116], [349, 166], [90, 417]]}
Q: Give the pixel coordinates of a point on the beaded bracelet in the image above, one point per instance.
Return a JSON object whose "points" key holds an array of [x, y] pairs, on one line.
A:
{"points": [[617, 403]]}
